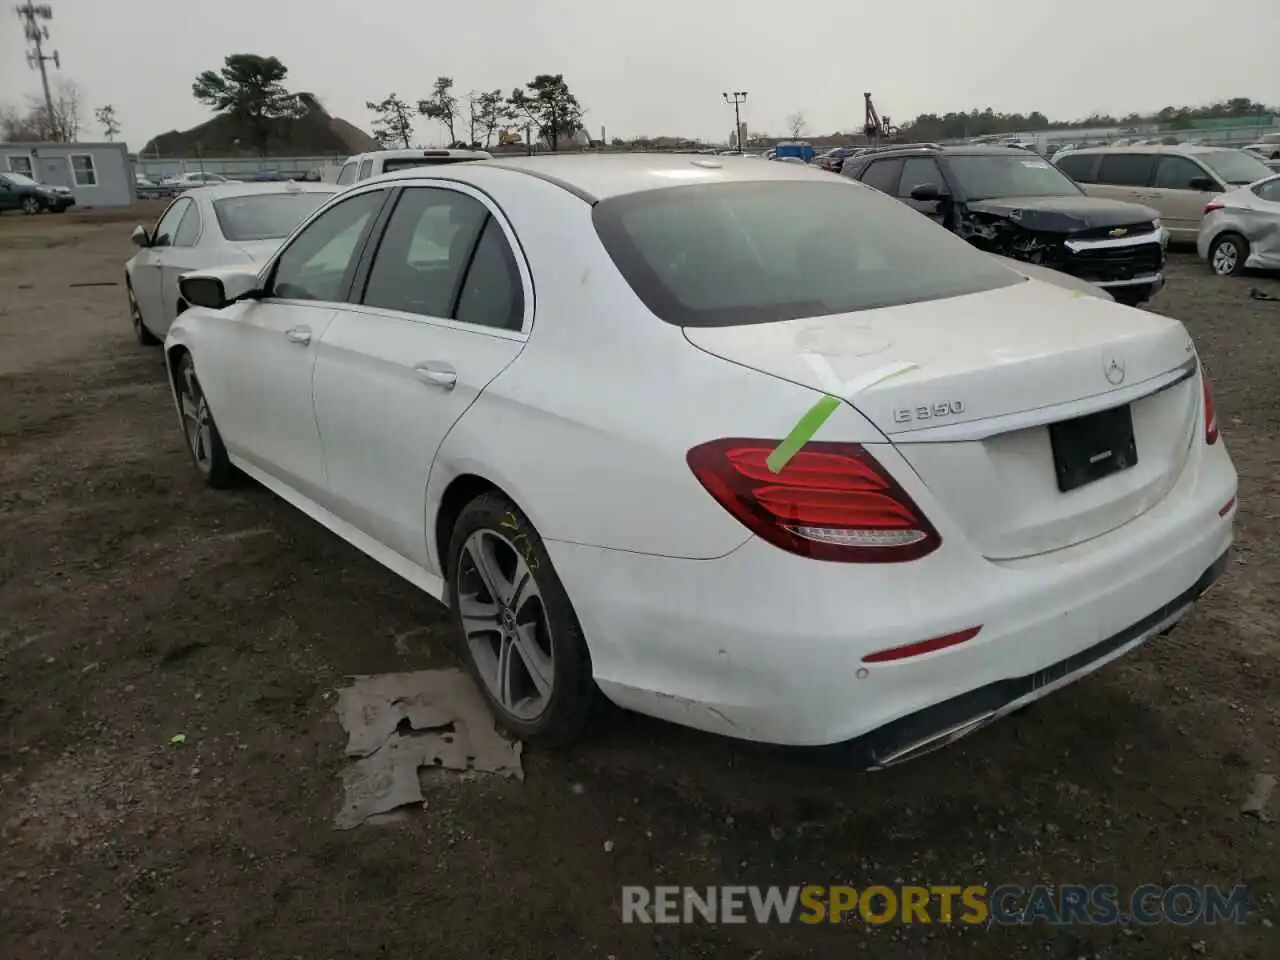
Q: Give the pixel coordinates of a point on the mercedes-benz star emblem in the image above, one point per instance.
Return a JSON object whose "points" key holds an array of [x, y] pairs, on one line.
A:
{"points": [[1113, 367]]}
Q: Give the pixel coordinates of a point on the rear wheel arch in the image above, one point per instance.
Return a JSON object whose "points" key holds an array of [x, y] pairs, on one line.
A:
{"points": [[172, 358], [461, 491]]}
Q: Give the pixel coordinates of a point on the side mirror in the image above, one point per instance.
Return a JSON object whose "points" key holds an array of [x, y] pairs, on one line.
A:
{"points": [[926, 192], [217, 289], [140, 237], [1203, 184]]}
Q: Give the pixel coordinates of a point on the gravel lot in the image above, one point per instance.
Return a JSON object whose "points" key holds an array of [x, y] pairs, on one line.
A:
{"points": [[135, 604]]}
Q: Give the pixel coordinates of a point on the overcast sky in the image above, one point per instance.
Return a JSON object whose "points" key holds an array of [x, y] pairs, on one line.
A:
{"points": [[658, 67]]}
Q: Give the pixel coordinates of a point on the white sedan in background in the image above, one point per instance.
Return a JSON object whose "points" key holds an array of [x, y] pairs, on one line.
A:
{"points": [[232, 223], [742, 445], [1241, 229]]}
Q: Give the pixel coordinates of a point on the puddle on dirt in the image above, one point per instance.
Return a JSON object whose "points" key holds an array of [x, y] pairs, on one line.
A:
{"points": [[398, 723]]}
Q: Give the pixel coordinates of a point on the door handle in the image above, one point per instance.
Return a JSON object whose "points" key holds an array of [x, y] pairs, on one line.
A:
{"points": [[437, 375], [298, 335]]}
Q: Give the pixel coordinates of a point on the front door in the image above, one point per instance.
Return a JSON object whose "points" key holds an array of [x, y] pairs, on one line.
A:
{"points": [[262, 358], [442, 313], [145, 275], [54, 171]]}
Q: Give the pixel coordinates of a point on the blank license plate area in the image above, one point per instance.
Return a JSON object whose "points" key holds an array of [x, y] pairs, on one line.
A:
{"points": [[1092, 447]]}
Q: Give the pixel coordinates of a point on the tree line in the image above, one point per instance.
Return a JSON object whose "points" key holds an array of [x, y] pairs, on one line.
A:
{"points": [[35, 123], [545, 105]]}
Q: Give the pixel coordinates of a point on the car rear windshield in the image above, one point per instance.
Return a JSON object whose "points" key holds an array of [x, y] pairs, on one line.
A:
{"points": [[1020, 174], [1235, 166], [407, 163], [723, 254], [265, 216]]}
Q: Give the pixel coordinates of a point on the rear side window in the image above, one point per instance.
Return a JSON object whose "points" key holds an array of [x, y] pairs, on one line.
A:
{"points": [[1270, 190], [1077, 166], [347, 175], [366, 167], [883, 175], [1126, 169], [491, 294], [755, 252]]}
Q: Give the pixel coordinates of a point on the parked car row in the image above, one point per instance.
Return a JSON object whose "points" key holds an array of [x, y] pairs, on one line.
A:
{"points": [[595, 479]]}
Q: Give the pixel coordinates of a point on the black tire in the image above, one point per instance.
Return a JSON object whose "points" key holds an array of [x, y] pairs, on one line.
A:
{"points": [[31, 206], [200, 432], [140, 331], [573, 696], [1222, 245]]}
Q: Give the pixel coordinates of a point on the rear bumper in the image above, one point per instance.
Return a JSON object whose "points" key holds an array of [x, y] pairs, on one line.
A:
{"points": [[944, 723], [764, 645]]}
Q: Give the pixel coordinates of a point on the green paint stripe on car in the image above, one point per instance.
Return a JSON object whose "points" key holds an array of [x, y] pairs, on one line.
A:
{"points": [[802, 432]]}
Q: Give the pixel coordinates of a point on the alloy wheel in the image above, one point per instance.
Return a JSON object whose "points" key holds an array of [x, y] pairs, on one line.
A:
{"points": [[196, 421], [30, 206], [507, 629], [1225, 257]]}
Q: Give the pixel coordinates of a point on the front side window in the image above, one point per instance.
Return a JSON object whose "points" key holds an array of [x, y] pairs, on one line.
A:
{"points": [[918, 171], [1018, 175], [1176, 173], [189, 228], [425, 251], [756, 252], [316, 265], [167, 228], [365, 169], [265, 216]]}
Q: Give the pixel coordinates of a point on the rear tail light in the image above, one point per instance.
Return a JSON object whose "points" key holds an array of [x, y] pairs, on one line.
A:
{"points": [[832, 501], [1213, 205], [1210, 412]]}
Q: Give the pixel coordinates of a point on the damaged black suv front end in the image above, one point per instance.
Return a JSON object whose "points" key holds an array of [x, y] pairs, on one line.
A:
{"points": [[1015, 204]]}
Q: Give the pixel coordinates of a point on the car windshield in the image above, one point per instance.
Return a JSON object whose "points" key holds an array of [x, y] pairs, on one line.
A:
{"points": [[265, 216], [760, 251], [1235, 166], [1019, 175], [20, 180]]}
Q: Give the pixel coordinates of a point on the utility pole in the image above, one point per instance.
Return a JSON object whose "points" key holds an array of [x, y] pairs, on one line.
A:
{"points": [[738, 98], [31, 15]]}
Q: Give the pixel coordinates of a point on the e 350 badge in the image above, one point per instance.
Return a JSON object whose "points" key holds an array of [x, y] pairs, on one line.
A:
{"points": [[932, 411]]}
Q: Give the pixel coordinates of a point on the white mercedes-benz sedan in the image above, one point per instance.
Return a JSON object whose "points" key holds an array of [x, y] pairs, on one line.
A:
{"points": [[230, 223], [741, 445]]}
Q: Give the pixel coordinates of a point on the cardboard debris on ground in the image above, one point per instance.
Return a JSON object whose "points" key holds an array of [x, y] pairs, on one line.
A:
{"points": [[397, 723], [1256, 802]]}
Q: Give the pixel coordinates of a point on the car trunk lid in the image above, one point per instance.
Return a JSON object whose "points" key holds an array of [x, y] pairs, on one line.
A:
{"points": [[992, 372]]}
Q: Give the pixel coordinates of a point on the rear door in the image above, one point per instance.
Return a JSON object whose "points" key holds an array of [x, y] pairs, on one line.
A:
{"points": [[1123, 176], [439, 308], [1180, 204]]}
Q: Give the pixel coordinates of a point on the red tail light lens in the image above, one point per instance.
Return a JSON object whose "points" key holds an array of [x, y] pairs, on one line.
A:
{"points": [[832, 501], [1210, 412], [1213, 205]]}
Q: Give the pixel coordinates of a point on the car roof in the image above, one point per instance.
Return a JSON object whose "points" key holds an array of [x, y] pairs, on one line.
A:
{"points": [[237, 188], [1177, 148], [963, 150], [596, 177]]}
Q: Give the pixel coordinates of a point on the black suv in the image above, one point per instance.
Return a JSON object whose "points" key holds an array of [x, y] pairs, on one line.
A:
{"points": [[1015, 203]]}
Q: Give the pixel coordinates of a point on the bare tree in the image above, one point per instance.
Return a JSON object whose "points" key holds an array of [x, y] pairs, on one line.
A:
{"points": [[106, 116], [36, 125], [796, 124]]}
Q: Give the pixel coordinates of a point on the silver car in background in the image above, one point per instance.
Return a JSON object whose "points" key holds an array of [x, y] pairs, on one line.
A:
{"points": [[229, 224], [1241, 229]]}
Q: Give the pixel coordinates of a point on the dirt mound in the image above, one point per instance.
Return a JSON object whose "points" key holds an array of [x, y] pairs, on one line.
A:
{"points": [[312, 132]]}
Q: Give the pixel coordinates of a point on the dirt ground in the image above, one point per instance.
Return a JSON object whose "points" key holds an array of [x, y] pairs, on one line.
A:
{"points": [[135, 605]]}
